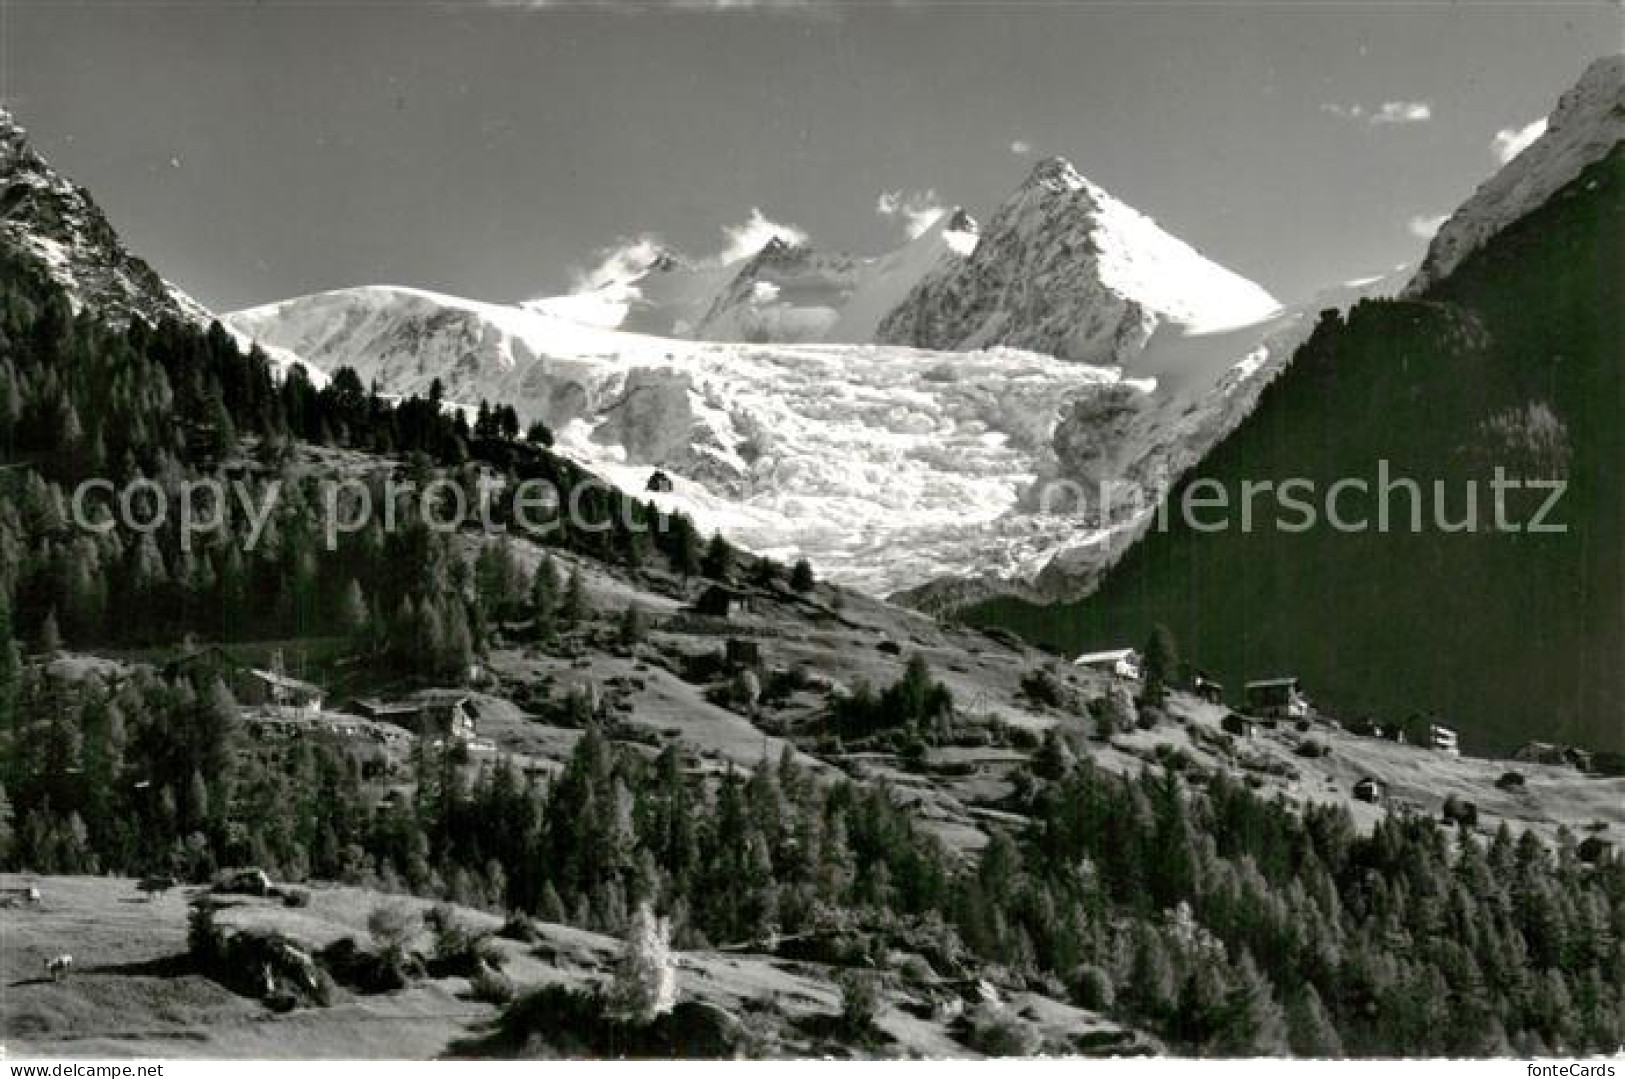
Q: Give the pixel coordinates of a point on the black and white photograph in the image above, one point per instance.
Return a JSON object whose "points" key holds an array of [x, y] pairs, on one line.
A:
{"points": [[828, 530]]}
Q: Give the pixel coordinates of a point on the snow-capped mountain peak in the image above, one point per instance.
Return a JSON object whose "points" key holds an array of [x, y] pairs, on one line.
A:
{"points": [[787, 291], [1587, 123], [1067, 269], [960, 221], [775, 248], [1057, 174]]}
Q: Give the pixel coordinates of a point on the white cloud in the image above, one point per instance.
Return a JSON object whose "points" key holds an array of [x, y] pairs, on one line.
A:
{"points": [[1509, 142], [744, 240], [1424, 226], [621, 261], [1403, 112], [1389, 112], [917, 210], [616, 267], [1021, 147]]}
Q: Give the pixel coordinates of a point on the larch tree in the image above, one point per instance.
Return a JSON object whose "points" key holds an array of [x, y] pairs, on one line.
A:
{"points": [[645, 985]]}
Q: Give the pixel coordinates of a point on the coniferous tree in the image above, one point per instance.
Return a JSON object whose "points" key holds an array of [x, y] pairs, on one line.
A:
{"points": [[10, 667], [575, 607], [545, 590], [1161, 665], [50, 637], [7, 831], [218, 434], [683, 546], [634, 628], [1055, 759], [645, 980], [353, 616], [456, 657], [1310, 1030], [801, 576], [719, 559]]}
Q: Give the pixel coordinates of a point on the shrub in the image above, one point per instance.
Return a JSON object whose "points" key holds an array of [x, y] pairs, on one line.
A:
{"points": [[554, 1021], [1511, 781], [558, 1022], [1460, 813], [1042, 688], [860, 1000], [1092, 988], [996, 1031], [296, 897], [916, 968], [363, 971], [521, 927], [1021, 738], [392, 927], [459, 949], [1114, 713], [204, 940], [491, 987]]}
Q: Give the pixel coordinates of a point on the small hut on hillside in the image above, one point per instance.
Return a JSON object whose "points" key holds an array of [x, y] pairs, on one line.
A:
{"points": [[1279, 698]]}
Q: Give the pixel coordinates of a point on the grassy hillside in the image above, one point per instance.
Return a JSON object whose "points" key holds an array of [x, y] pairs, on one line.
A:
{"points": [[1512, 362], [134, 993]]}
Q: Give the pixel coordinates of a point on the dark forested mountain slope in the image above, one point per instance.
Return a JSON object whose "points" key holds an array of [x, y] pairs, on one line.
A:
{"points": [[1514, 361]]}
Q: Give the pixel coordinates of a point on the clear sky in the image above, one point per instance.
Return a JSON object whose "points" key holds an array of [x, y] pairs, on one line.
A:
{"points": [[254, 151]]}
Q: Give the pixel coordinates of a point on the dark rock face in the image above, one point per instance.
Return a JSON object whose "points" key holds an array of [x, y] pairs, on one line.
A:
{"points": [[57, 225]]}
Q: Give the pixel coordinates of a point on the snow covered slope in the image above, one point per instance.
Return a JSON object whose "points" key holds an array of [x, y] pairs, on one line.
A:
{"points": [[1588, 122], [1066, 269], [890, 467], [887, 466], [889, 280], [664, 294], [784, 293], [788, 291]]}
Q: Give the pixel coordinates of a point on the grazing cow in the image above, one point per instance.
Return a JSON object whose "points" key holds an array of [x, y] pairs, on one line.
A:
{"points": [[58, 967], [32, 897]]}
